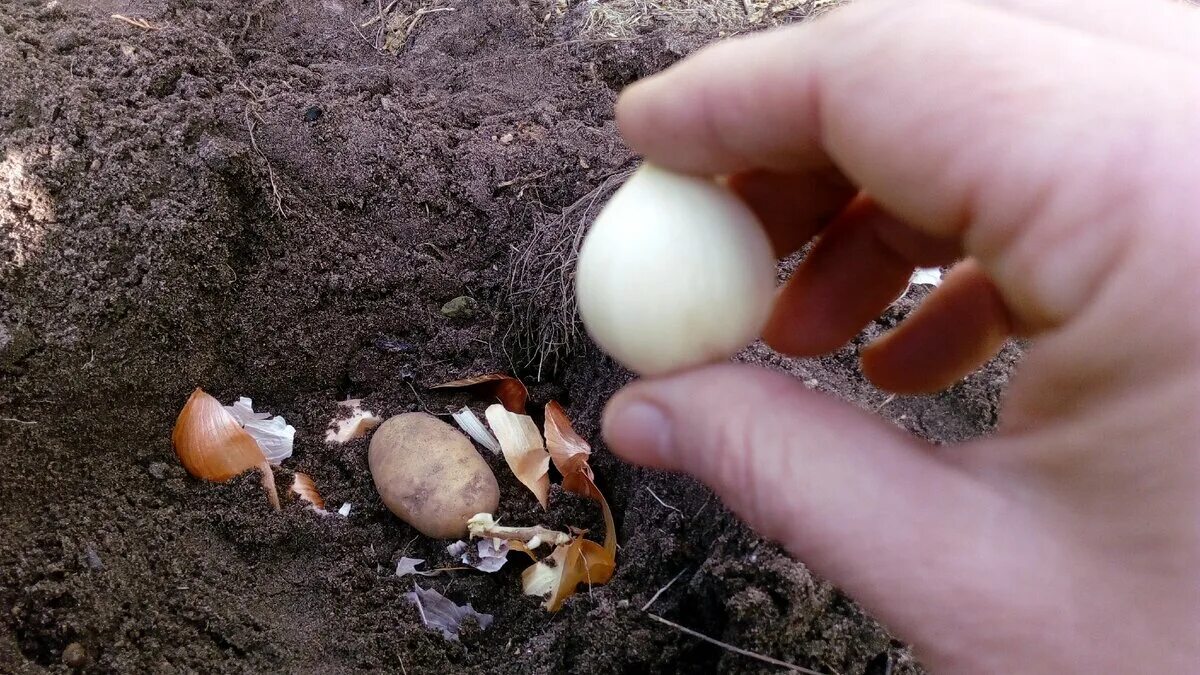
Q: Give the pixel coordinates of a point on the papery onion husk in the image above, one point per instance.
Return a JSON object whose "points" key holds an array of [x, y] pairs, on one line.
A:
{"points": [[212, 446]]}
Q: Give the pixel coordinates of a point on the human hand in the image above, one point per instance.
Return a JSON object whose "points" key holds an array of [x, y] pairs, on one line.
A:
{"points": [[1052, 145]]}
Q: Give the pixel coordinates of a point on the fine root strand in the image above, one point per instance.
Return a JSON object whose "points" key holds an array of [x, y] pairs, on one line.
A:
{"points": [[252, 119], [541, 288]]}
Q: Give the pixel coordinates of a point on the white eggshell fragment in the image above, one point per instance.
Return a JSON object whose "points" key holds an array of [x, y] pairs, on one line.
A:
{"points": [[676, 272]]}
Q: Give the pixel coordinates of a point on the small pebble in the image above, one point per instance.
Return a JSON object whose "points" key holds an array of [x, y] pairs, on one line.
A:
{"points": [[622, 604], [506, 139], [158, 470], [313, 113], [462, 307], [74, 656], [94, 562]]}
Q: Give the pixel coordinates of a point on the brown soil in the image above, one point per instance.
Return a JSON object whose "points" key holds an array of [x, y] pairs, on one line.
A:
{"points": [[145, 252]]}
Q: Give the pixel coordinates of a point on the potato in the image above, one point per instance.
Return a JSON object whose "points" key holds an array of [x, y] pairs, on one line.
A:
{"points": [[430, 475]]}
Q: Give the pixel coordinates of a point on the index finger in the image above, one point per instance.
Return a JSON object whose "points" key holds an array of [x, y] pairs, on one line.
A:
{"points": [[961, 119]]}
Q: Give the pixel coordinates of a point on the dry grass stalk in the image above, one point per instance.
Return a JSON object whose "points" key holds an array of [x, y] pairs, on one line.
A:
{"points": [[736, 650], [138, 22]]}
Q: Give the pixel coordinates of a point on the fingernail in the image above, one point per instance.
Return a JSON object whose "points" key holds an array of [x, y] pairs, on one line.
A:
{"points": [[638, 430]]}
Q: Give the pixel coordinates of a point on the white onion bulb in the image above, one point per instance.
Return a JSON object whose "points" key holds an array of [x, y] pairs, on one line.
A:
{"points": [[676, 272]]}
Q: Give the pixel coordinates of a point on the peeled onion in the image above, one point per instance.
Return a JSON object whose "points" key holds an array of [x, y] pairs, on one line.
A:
{"points": [[676, 272]]}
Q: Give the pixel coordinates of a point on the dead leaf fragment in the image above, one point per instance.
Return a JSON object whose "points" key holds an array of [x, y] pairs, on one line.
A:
{"points": [[523, 450], [441, 614], [507, 389]]}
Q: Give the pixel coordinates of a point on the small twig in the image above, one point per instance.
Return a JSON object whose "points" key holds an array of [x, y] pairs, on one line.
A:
{"points": [[660, 501], [17, 421], [441, 254], [139, 23], [379, 41], [736, 650], [382, 15], [412, 23], [662, 590]]}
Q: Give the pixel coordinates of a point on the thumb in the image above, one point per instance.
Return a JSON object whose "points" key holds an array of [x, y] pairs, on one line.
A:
{"points": [[862, 503]]}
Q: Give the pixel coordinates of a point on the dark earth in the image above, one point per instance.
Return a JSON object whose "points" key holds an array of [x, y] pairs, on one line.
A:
{"points": [[261, 199]]}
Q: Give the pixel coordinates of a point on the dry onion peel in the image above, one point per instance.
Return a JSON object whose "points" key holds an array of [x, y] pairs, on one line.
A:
{"points": [[470, 423], [489, 554], [567, 448], [523, 449], [212, 446], [507, 389], [441, 614], [358, 424], [306, 489], [275, 437], [518, 545], [570, 454], [581, 561]]}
